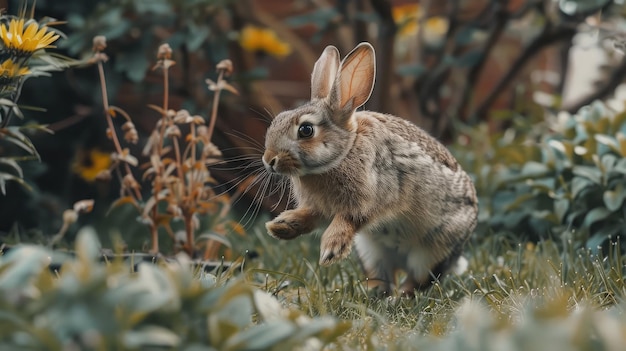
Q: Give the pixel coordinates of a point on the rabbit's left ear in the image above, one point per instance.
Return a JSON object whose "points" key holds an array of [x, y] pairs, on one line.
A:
{"points": [[356, 78]]}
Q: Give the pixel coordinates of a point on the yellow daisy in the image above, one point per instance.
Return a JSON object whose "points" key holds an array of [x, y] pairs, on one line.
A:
{"points": [[26, 41], [406, 17], [259, 39], [88, 164], [9, 69]]}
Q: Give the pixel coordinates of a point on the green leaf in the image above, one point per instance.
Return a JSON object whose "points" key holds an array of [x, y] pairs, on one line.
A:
{"points": [[588, 172], [153, 335], [535, 169], [87, 245], [315, 327], [613, 199], [581, 7], [13, 164], [24, 262], [16, 137], [196, 37], [595, 215], [609, 141], [261, 337], [561, 206], [4, 177], [579, 184], [620, 166], [608, 162]]}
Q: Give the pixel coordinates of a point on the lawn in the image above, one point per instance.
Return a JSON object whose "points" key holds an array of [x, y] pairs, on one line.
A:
{"points": [[513, 297]]}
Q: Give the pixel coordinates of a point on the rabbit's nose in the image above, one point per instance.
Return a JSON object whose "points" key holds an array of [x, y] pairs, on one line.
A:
{"points": [[271, 163]]}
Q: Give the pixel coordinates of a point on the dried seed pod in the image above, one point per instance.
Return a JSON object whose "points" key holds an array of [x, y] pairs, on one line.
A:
{"points": [[210, 150], [70, 216], [130, 132], [165, 52], [129, 182], [99, 43], [226, 66], [183, 117], [172, 131], [83, 206]]}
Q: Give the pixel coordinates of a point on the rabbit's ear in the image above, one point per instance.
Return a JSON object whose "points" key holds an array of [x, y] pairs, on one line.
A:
{"points": [[356, 78], [324, 73]]}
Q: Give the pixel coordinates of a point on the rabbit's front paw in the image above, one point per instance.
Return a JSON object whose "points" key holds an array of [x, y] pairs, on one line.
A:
{"points": [[291, 224], [281, 229], [336, 242]]}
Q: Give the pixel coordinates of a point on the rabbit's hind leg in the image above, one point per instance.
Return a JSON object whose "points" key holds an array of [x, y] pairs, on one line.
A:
{"points": [[378, 263]]}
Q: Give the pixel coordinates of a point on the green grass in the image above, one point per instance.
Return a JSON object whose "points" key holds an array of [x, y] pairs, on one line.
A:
{"points": [[509, 289], [544, 296]]}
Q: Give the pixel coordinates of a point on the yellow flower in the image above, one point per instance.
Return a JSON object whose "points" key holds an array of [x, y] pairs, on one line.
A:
{"points": [[89, 164], [406, 17], [259, 39], [26, 41], [8, 69]]}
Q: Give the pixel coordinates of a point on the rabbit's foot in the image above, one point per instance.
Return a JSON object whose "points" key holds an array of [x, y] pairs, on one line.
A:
{"points": [[292, 223], [336, 241]]}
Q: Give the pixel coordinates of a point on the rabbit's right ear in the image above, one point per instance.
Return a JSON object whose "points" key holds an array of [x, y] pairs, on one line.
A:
{"points": [[324, 73]]}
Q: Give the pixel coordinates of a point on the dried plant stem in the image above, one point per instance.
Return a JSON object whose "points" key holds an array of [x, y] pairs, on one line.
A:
{"points": [[189, 244], [216, 99], [107, 113], [154, 213]]}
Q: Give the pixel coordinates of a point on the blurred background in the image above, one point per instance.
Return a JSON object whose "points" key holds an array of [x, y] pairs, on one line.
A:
{"points": [[496, 80]]}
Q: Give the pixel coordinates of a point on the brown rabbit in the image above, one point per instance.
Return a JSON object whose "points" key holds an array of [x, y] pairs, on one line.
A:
{"points": [[374, 179]]}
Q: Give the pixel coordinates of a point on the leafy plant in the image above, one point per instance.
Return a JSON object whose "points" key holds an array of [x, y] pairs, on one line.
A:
{"points": [[93, 305], [191, 25], [23, 55], [180, 151], [565, 175]]}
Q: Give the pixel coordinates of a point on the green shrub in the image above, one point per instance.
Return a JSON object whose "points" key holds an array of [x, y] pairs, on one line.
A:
{"points": [[105, 306], [565, 175]]}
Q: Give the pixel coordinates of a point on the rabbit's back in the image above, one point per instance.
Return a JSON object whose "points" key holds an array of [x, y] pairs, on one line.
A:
{"points": [[392, 167]]}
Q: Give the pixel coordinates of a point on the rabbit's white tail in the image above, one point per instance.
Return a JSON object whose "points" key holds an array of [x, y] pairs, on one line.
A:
{"points": [[460, 266]]}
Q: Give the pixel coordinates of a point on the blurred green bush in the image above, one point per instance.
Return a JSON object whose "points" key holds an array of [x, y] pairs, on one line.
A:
{"points": [[560, 176], [106, 306]]}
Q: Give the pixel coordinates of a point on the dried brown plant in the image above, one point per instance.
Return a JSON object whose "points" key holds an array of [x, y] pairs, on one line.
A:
{"points": [[179, 152]]}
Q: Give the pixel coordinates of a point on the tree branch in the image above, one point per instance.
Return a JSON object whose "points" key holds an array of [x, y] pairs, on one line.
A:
{"points": [[546, 38], [380, 100], [501, 18]]}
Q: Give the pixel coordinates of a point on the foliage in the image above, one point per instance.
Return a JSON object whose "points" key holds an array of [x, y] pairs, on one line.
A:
{"points": [[93, 305], [562, 176], [22, 55], [513, 296], [191, 25]]}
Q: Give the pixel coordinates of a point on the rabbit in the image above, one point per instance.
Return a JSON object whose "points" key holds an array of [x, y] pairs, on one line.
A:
{"points": [[370, 178]]}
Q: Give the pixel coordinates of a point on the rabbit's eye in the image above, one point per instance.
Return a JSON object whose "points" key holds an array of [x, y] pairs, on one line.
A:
{"points": [[305, 130]]}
